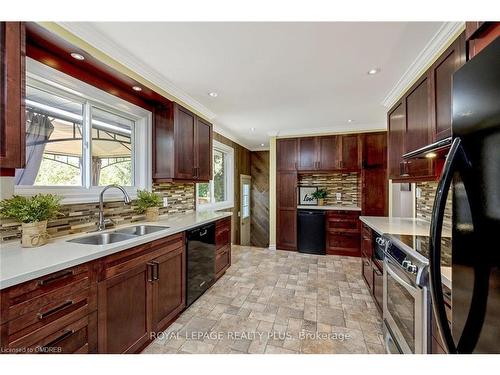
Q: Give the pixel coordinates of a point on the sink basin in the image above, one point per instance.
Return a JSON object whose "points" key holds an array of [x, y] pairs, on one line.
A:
{"points": [[140, 230], [103, 238]]}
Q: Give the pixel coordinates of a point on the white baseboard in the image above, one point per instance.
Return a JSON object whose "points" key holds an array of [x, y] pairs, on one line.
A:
{"points": [[272, 246]]}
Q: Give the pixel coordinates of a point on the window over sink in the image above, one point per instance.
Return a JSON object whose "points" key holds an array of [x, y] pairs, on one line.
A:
{"points": [[219, 192], [80, 138]]}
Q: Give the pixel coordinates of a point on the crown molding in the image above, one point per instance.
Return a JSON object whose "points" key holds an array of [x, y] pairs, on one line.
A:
{"points": [[230, 135], [328, 130], [442, 39], [96, 39]]}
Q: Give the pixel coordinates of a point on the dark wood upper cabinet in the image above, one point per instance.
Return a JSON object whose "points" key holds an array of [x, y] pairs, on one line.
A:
{"points": [[396, 124], [12, 95], [182, 145], [308, 154], [441, 77], [203, 150], [480, 34], [350, 152], [286, 154], [329, 157], [184, 130], [418, 115], [374, 150]]}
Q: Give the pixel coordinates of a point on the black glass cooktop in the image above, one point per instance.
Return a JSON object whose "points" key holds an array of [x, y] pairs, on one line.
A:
{"points": [[420, 244]]}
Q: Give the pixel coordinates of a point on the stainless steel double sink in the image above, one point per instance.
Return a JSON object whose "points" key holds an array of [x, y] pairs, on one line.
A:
{"points": [[118, 235]]}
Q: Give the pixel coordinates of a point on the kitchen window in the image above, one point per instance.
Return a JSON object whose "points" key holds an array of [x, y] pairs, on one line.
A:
{"points": [[80, 138], [219, 192]]}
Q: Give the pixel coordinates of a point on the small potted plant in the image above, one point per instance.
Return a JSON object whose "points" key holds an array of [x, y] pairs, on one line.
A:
{"points": [[320, 195], [149, 203], [33, 213]]}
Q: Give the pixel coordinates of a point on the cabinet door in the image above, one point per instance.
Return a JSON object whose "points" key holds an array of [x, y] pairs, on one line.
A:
{"points": [[286, 154], [184, 129], [397, 129], [163, 142], [125, 310], [442, 75], [203, 150], [350, 152], [343, 243], [418, 115], [286, 236], [308, 154], [374, 192], [169, 293], [329, 152], [12, 93], [375, 150]]}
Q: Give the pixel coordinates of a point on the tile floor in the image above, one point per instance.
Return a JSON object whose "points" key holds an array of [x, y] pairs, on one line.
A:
{"points": [[279, 302]]}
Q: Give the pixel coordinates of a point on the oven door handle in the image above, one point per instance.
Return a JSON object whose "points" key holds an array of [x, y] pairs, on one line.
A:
{"points": [[410, 288]]}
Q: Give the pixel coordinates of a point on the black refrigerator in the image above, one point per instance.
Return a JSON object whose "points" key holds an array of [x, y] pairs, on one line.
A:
{"points": [[472, 170]]}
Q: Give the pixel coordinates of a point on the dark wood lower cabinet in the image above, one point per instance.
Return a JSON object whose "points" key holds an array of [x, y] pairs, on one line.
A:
{"points": [[343, 233], [378, 285], [125, 310], [169, 288]]}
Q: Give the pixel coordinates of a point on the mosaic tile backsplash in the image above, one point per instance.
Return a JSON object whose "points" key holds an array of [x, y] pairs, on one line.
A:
{"points": [[78, 218], [348, 184]]}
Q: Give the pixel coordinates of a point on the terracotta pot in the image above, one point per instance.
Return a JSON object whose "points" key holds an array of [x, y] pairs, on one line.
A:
{"points": [[321, 202], [152, 213], [34, 234]]}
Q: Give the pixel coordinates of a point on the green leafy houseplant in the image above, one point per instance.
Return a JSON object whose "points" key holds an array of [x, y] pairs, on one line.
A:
{"points": [[33, 212], [320, 195], [149, 203]]}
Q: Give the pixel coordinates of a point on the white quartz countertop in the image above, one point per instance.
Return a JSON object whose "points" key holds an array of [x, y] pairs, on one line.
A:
{"points": [[18, 264], [330, 208], [397, 225]]}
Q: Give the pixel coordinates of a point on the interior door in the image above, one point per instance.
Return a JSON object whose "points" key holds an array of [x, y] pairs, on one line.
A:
{"points": [[245, 187]]}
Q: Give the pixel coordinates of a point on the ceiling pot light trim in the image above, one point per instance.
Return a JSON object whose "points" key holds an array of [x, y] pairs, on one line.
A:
{"points": [[374, 71], [77, 56], [99, 41], [213, 94], [439, 42], [137, 88]]}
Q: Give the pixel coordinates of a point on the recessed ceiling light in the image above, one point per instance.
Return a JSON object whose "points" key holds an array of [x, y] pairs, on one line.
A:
{"points": [[77, 56], [430, 155], [137, 88], [262, 144], [349, 120], [373, 71], [213, 94], [252, 129]]}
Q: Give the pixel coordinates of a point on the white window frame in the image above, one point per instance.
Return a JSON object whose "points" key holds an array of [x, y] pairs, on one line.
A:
{"points": [[48, 79], [228, 173]]}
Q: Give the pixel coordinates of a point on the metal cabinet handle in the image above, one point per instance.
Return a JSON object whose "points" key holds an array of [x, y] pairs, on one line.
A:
{"points": [[56, 277], [150, 270], [54, 310], [66, 334], [203, 233], [156, 270]]}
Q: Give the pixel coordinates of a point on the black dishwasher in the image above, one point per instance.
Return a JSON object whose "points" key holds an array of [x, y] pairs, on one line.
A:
{"points": [[311, 238], [200, 260]]}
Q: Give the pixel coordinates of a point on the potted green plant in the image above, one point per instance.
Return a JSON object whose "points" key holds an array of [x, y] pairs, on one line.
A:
{"points": [[149, 203], [33, 213], [320, 195]]}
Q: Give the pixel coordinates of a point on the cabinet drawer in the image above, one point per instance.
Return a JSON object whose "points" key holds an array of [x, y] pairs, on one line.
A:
{"points": [[378, 286], [366, 231], [80, 304], [342, 243], [226, 222], [343, 224], [222, 236], [222, 259], [126, 260], [34, 295], [367, 271]]}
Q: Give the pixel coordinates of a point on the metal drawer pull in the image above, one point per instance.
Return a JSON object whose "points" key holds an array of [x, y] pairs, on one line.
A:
{"points": [[59, 339], [54, 310], [156, 270], [55, 278], [204, 233], [150, 270]]}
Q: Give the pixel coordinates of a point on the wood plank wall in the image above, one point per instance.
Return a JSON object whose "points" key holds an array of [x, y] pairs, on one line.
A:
{"points": [[241, 166], [259, 198]]}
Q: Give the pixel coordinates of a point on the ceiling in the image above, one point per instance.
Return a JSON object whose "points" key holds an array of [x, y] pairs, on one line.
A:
{"points": [[272, 78]]}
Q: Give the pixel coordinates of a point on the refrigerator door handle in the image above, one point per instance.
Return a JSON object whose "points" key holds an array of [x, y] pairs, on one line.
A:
{"points": [[455, 160]]}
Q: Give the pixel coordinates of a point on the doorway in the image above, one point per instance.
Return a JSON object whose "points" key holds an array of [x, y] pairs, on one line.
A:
{"points": [[245, 188]]}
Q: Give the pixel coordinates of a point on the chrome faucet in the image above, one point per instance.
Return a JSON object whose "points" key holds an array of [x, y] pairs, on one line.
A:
{"points": [[101, 225]]}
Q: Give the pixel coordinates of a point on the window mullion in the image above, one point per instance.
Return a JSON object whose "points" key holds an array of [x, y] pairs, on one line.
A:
{"points": [[87, 145]]}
